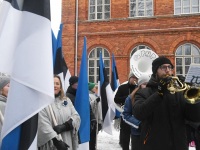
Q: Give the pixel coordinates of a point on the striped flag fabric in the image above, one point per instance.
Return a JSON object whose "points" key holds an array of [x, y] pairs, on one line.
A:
{"points": [[60, 66], [114, 78], [115, 82], [82, 103], [26, 55], [107, 98]]}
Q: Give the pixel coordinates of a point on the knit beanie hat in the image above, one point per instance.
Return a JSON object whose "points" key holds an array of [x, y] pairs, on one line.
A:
{"points": [[4, 80], [73, 80], [158, 62], [143, 79], [91, 85]]}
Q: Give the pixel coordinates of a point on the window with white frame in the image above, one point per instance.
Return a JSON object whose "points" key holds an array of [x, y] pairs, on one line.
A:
{"points": [[185, 55], [138, 48], [93, 63], [99, 9], [186, 6], [139, 8]]}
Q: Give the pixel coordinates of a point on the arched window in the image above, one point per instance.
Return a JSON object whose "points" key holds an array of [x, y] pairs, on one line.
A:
{"points": [[93, 63], [185, 55], [138, 48]]}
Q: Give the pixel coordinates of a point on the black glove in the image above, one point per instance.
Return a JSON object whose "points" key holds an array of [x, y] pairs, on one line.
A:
{"points": [[98, 99], [60, 145], [99, 126], [67, 126], [93, 125], [162, 85]]}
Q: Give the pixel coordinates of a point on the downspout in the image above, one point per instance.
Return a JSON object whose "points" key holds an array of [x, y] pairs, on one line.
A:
{"points": [[76, 40]]}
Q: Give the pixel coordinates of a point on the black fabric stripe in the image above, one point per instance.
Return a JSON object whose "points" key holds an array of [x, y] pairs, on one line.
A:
{"points": [[39, 7], [60, 64], [116, 72], [112, 81], [104, 99], [28, 132]]}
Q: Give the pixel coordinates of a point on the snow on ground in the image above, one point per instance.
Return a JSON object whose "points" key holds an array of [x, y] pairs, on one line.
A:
{"points": [[111, 142], [108, 142]]}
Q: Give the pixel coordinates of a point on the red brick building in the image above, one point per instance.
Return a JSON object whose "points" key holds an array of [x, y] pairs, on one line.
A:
{"points": [[167, 27]]}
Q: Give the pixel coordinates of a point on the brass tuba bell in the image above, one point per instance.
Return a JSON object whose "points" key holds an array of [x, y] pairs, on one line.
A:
{"points": [[191, 93]]}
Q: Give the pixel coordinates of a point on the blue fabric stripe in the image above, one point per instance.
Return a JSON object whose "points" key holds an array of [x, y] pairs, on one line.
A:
{"points": [[81, 103], [11, 141]]}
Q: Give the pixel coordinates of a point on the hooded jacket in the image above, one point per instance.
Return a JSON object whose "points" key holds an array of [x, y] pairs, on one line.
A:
{"points": [[163, 118]]}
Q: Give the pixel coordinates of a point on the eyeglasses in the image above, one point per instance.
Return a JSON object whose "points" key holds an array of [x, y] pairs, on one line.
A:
{"points": [[164, 68]]}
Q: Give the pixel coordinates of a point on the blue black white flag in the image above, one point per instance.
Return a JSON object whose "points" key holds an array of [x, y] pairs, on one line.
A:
{"points": [[82, 103], [107, 98], [115, 82], [60, 66], [26, 55]]}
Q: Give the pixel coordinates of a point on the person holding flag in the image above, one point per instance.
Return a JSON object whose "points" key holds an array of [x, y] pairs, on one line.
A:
{"points": [[122, 93], [94, 102], [58, 118]]}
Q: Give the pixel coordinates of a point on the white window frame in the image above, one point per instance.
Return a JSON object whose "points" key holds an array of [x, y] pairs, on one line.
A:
{"points": [[183, 57], [182, 7], [137, 8], [96, 13], [96, 53]]}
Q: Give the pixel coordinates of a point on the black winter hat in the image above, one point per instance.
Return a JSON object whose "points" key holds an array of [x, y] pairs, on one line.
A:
{"points": [[72, 80], [158, 62]]}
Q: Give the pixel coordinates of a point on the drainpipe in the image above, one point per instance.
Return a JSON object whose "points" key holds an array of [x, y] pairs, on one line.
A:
{"points": [[76, 40]]}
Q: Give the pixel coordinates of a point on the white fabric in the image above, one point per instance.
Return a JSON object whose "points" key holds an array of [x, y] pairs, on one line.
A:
{"points": [[26, 55]]}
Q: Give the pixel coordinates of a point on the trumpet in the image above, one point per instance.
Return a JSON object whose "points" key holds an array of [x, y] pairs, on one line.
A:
{"points": [[191, 93]]}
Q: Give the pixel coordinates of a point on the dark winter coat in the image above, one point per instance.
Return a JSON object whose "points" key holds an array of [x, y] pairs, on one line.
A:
{"points": [[163, 126], [122, 93], [71, 94]]}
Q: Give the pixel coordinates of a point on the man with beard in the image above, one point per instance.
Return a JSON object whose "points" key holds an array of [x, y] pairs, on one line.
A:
{"points": [[163, 114]]}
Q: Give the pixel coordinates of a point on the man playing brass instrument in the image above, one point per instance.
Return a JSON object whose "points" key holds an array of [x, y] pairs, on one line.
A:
{"points": [[163, 114]]}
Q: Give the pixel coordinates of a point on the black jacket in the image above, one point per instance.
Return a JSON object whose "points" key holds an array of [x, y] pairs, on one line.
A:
{"points": [[122, 93], [163, 118]]}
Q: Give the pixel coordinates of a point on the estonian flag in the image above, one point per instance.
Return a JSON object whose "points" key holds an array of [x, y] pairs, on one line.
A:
{"points": [[107, 98], [82, 103], [115, 81], [60, 66], [26, 55]]}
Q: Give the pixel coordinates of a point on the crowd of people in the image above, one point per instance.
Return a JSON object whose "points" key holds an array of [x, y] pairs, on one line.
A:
{"points": [[153, 118]]}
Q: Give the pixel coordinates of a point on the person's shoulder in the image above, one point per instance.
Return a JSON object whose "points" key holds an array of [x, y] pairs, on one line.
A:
{"points": [[123, 85], [145, 91]]}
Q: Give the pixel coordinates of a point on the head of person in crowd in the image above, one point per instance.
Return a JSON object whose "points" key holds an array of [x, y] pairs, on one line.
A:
{"points": [[58, 90], [4, 85], [132, 79], [162, 67], [143, 80], [92, 87], [73, 82]]}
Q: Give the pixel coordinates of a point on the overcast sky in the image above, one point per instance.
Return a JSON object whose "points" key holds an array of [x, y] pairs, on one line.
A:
{"points": [[55, 15]]}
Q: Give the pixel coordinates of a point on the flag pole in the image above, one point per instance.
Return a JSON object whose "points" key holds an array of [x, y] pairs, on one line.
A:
{"points": [[54, 120]]}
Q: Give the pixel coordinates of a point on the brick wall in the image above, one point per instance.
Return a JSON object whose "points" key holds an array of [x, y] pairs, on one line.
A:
{"points": [[163, 32]]}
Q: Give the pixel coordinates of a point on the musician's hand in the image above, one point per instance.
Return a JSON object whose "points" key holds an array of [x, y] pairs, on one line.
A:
{"points": [[162, 85]]}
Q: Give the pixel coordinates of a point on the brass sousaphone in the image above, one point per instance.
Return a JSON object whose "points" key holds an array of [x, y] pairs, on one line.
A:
{"points": [[140, 63]]}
